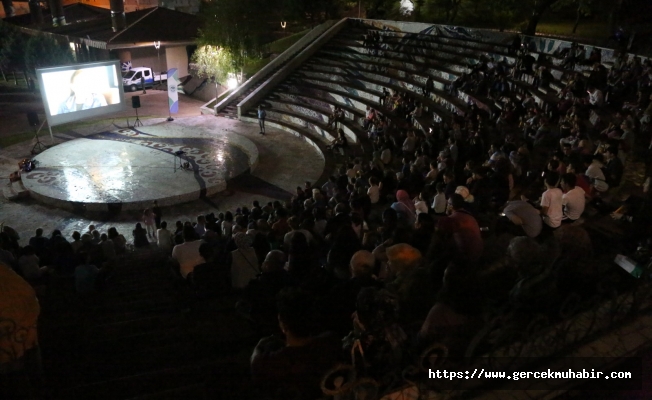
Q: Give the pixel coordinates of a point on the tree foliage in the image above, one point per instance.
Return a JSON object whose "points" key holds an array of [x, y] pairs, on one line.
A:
{"points": [[44, 51], [11, 47], [214, 63], [244, 27]]}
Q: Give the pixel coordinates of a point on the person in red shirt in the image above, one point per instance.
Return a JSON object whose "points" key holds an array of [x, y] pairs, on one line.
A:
{"points": [[582, 180], [463, 229]]}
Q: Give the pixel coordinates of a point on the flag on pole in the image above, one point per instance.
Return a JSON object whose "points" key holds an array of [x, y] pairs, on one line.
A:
{"points": [[173, 95]]}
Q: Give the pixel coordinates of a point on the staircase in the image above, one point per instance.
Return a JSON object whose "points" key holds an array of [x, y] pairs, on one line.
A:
{"points": [[231, 108]]}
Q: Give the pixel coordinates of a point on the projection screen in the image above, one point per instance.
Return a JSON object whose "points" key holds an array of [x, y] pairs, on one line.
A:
{"points": [[75, 92]]}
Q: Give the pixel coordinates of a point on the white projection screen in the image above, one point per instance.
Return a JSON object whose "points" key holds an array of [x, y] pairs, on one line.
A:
{"points": [[75, 92]]}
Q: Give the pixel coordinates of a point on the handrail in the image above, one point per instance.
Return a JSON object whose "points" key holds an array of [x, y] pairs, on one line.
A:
{"points": [[250, 101], [278, 61]]}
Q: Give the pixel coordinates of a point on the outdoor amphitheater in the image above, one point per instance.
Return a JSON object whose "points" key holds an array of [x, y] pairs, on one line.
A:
{"points": [[370, 128]]}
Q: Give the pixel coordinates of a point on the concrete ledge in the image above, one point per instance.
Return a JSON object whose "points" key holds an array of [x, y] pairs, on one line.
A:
{"points": [[259, 94], [313, 114], [289, 130], [275, 63]]}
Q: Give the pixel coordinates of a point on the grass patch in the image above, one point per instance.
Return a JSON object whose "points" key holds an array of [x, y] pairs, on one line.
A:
{"points": [[276, 47], [283, 44], [15, 139], [588, 29]]}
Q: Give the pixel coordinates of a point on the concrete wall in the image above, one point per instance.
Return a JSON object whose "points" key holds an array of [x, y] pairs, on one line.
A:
{"points": [[144, 57], [176, 57]]}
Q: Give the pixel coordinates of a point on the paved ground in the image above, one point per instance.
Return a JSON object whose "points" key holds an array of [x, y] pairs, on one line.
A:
{"points": [[285, 161]]}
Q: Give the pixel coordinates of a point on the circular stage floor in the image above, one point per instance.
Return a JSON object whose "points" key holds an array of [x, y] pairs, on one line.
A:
{"points": [[127, 169]]}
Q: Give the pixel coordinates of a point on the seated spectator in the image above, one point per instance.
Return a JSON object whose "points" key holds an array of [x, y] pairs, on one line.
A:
{"points": [[187, 254], [86, 273], [108, 249], [439, 201], [551, 201], [596, 98], [209, 278], [420, 203], [140, 236], [29, 265], [404, 207], [200, 227], [119, 241], [573, 199], [244, 263], [450, 317], [76, 242], [462, 229], [258, 297], [300, 257], [412, 283], [422, 235], [164, 238], [614, 169], [596, 176], [297, 364], [520, 217], [340, 303], [295, 228]]}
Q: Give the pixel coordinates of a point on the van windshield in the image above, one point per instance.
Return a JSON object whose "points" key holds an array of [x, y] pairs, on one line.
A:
{"points": [[128, 74]]}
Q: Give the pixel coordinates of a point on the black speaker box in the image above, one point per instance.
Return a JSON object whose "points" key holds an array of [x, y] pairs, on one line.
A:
{"points": [[32, 118], [135, 102]]}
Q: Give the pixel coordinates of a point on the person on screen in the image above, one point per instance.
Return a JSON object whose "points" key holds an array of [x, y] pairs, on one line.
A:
{"points": [[81, 97]]}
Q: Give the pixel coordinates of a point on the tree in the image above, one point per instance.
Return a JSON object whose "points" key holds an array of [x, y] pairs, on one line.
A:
{"points": [[11, 47], [240, 26], [583, 8], [44, 51], [214, 63], [539, 7]]}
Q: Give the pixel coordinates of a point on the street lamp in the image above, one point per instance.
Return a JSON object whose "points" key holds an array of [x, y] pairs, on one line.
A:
{"points": [[283, 25], [157, 46]]}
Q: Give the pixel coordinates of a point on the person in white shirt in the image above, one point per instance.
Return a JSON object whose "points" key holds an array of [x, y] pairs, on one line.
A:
{"points": [[595, 174], [420, 204], [439, 203], [164, 238], [200, 228], [573, 199], [432, 174], [187, 253], [374, 190], [596, 98], [551, 201]]}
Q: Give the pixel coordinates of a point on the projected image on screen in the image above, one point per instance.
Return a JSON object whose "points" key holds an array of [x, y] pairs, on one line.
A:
{"points": [[81, 91]]}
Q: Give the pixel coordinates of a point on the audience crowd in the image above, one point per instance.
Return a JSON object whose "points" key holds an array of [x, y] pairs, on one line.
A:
{"points": [[417, 239]]}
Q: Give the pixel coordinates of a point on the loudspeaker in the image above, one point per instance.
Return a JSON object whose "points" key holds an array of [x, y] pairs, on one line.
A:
{"points": [[32, 118], [135, 102]]}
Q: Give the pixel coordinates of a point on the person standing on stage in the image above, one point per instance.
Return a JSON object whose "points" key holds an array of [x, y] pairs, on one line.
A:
{"points": [[261, 119]]}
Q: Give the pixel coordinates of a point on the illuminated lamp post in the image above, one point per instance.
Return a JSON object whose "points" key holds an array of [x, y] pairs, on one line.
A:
{"points": [[157, 46], [283, 25]]}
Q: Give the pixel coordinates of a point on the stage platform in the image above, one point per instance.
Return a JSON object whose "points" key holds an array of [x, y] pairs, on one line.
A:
{"points": [[127, 169]]}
